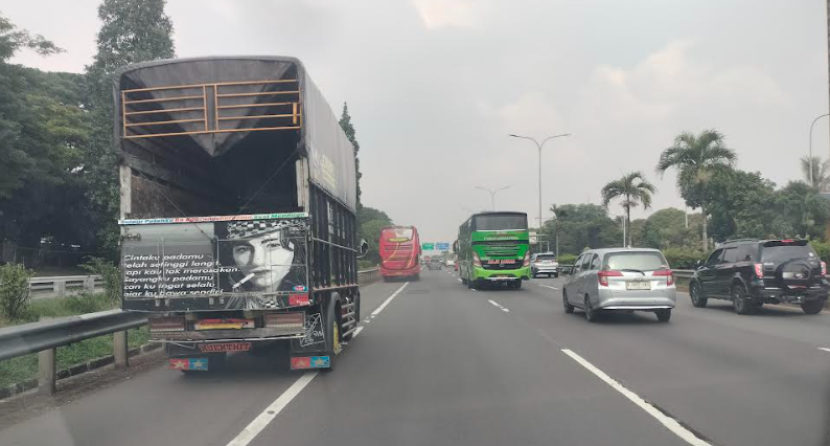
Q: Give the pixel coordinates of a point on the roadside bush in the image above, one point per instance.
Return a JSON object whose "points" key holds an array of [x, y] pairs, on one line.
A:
{"points": [[87, 303], [109, 273], [14, 290], [822, 249], [566, 259], [683, 258]]}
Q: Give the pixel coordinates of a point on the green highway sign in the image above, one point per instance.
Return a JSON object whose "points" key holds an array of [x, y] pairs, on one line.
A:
{"points": [[428, 246]]}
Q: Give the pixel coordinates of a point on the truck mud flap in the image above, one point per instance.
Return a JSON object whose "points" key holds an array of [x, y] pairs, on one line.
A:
{"points": [[314, 338]]}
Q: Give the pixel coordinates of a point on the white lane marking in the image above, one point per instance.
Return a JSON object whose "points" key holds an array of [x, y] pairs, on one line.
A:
{"points": [[824, 349], [267, 416], [670, 423], [357, 331], [551, 287], [459, 280], [389, 299], [498, 305]]}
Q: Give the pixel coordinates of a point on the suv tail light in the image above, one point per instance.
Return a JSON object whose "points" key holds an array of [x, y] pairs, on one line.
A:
{"points": [[759, 270], [603, 276], [664, 273], [823, 269], [476, 260], [527, 259]]}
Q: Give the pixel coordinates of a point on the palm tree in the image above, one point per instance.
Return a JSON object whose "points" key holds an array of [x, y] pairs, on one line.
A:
{"points": [[821, 172], [696, 157], [633, 189]]}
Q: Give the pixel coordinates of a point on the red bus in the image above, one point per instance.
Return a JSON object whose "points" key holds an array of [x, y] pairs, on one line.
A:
{"points": [[400, 252]]}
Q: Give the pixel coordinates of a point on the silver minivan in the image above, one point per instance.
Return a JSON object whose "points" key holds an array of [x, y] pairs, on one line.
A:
{"points": [[620, 279]]}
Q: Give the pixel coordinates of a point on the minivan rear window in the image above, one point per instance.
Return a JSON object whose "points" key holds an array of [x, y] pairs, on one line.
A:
{"points": [[641, 261], [782, 253], [540, 257]]}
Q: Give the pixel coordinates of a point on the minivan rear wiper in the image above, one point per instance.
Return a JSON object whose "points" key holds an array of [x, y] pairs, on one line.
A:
{"points": [[632, 270]]}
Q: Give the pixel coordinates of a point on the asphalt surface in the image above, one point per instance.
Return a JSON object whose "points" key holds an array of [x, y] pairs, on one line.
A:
{"points": [[441, 364]]}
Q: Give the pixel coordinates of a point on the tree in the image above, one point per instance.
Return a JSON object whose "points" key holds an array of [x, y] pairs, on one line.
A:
{"points": [[806, 210], [820, 170], [132, 31], [581, 226], [371, 222], [633, 189], [348, 128], [742, 205], [13, 40], [666, 228], [697, 158]]}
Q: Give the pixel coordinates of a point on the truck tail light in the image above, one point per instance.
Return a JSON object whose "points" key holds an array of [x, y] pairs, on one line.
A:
{"points": [[527, 259], [823, 269], [166, 324], [603, 276], [285, 321], [476, 260], [664, 273], [759, 270]]}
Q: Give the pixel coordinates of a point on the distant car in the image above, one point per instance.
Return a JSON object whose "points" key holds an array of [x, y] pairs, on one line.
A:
{"points": [[620, 279], [544, 263], [752, 273], [434, 264], [450, 263]]}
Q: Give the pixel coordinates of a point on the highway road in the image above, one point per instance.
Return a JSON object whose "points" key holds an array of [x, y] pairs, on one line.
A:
{"points": [[436, 363]]}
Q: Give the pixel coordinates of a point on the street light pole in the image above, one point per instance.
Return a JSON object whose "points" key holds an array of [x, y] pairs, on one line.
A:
{"points": [[812, 184], [493, 193], [539, 146]]}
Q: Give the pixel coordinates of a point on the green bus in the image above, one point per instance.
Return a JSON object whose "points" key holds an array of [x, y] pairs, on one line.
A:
{"points": [[493, 248]]}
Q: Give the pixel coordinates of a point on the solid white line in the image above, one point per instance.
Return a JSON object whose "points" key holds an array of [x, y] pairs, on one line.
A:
{"points": [[459, 280], [551, 287], [357, 331], [388, 299], [825, 349], [271, 412], [670, 423]]}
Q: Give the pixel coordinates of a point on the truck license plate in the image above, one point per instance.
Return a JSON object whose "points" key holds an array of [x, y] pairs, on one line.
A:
{"points": [[225, 347], [638, 285]]}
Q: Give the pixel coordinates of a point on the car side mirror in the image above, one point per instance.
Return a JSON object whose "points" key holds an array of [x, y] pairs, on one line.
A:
{"points": [[364, 248], [699, 264]]}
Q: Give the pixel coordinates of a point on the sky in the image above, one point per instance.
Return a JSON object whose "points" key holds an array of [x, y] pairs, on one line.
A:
{"points": [[434, 87]]}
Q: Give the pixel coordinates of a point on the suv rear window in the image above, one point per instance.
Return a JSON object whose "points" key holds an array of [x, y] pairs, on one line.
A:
{"points": [[781, 253], [642, 261]]}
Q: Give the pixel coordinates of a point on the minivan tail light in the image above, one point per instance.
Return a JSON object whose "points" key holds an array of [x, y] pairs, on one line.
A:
{"points": [[476, 260], [605, 274], [823, 269], [527, 259], [664, 273], [759, 270]]}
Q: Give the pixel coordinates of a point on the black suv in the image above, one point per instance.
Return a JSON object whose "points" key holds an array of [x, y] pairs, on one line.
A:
{"points": [[751, 273]]}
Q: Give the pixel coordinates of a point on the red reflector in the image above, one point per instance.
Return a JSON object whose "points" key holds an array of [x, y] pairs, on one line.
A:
{"points": [[664, 273], [789, 240], [759, 270], [300, 363], [166, 324], [823, 269], [298, 300], [605, 274]]}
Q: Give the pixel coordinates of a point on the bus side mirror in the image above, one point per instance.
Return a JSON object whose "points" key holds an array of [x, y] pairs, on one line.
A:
{"points": [[364, 248]]}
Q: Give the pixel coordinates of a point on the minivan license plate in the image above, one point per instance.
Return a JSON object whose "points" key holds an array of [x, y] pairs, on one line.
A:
{"points": [[638, 285]]}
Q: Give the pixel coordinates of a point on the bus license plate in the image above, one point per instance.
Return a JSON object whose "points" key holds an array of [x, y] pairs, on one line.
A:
{"points": [[638, 285]]}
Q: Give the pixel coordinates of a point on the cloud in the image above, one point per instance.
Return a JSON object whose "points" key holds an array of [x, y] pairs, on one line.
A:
{"points": [[450, 13]]}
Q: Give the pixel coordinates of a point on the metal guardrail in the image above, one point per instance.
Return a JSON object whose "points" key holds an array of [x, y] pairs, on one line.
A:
{"points": [[45, 336], [62, 286]]}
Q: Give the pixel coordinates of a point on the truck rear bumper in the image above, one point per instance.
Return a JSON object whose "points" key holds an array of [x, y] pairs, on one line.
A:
{"points": [[199, 337]]}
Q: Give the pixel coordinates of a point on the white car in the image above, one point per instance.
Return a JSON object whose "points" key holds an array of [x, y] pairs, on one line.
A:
{"points": [[450, 263]]}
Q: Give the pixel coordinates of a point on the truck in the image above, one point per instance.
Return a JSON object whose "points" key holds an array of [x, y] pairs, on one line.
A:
{"points": [[493, 249], [237, 211]]}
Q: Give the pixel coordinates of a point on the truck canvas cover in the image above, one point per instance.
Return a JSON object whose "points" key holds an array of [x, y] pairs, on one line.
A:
{"points": [[215, 103]]}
